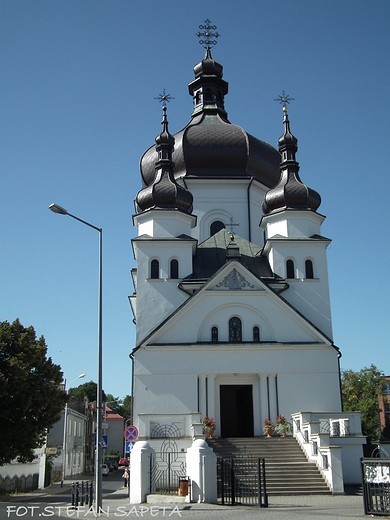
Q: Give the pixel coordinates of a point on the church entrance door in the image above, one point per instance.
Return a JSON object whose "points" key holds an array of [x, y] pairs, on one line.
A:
{"points": [[236, 405]]}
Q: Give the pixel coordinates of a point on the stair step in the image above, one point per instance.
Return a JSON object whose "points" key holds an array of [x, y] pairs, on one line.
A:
{"points": [[288, 472]]}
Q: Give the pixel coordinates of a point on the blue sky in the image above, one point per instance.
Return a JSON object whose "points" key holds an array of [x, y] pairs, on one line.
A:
{"points": [[77, 88]]}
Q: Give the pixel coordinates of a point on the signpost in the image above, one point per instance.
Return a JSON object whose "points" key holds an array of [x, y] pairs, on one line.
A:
{"points": [[131, 434]]}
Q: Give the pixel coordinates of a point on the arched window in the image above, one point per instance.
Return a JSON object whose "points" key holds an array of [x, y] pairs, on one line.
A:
{"points": [[174, 269], [154, 269], [235, 330], [216, 226], [290, 269], [214, 334], [256, 334], [309, 269], [208, 95]]}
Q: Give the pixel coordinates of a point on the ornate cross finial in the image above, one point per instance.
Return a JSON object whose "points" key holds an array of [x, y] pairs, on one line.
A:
{"points": [[232, 224], [164, 98], [284, 99], [207, 31]]}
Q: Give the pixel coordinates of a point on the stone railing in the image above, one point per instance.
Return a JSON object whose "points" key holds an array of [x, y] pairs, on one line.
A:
{"points": [[334, 442]]}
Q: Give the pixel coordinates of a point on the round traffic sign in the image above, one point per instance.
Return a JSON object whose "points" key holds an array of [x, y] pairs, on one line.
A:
{"points": [[131, 433]]}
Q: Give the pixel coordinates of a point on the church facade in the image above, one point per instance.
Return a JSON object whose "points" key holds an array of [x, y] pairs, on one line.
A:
{"points": [[231, 292]]}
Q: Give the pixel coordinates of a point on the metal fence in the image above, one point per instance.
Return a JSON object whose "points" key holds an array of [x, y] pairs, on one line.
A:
{"points": [[242, 481], [166, 470], [19, 484], [376, 486]]}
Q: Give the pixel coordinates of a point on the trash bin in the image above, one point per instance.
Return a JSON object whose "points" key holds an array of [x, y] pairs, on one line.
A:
{"points": [[183, 486]]}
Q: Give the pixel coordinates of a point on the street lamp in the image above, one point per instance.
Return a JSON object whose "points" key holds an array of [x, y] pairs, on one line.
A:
{"points": [[65, 427], [98, 461]]}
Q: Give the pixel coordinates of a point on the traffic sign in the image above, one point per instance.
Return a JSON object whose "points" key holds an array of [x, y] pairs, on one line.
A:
{"points": [[131, 433], [129, 446], [104, 441]]}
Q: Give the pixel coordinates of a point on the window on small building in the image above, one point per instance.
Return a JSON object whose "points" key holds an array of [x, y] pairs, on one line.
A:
{"points": [[256, 334], [214, 334], [216, 226], [290, 269], [154, 269], [309, 269], [174, 269], [235, 330]]}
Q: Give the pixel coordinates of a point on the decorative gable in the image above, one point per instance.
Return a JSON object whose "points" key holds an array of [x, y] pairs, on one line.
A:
{"points": [[234, 281]]}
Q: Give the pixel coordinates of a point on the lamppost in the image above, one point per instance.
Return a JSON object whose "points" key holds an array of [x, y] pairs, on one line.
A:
{"points": [[65, 427], [98, 461]]}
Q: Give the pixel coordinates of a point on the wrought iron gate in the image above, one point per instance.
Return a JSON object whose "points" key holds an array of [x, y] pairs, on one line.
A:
{"points": [[166, 469], [376, 486], [242, 481]]}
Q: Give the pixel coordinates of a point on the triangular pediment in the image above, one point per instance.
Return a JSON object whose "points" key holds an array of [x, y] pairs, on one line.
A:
{"points": [[234, 291]]}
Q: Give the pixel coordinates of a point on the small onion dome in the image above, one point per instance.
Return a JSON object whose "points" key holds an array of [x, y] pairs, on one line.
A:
{"points": [[208, 66], [164, 192], [290, 192]]}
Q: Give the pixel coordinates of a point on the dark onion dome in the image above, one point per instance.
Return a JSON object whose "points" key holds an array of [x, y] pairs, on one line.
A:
{"points": [[290, 192], [210, 146], [164, 192]]}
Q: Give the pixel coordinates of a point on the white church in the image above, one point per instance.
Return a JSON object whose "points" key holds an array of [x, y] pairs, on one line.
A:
{"points": [[231, 291]]}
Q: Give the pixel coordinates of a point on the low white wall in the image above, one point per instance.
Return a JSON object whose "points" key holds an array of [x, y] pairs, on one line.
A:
{"points": [[16, 469]]}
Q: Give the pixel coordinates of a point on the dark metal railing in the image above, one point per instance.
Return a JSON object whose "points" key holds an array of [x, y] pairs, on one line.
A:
{"points": [[376, 486], [242, 481], [19, 484]]}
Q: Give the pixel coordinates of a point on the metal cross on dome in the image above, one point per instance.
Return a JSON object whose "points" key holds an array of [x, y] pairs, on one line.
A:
{"points": [[284, 99], [207, 31], [232, 224], [164, 98]]}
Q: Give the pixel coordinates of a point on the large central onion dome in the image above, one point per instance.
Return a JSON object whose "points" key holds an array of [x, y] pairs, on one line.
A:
{"points": [[210, 146]]}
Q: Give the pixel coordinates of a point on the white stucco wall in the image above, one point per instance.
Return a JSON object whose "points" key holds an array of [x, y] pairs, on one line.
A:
{"points": [[166, 378]]}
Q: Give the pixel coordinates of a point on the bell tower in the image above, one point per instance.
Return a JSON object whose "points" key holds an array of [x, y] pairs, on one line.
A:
{"points": [[295, 248]]}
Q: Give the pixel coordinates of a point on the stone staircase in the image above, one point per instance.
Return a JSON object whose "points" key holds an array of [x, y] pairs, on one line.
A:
{"points": [[287, 470]]}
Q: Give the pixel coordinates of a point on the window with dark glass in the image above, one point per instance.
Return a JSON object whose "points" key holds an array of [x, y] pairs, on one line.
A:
{"points": [[290, 269], [154, 269], [215, 227], [256, 334], [174, 269], [214, 334], [309, 269], [235, 330]]}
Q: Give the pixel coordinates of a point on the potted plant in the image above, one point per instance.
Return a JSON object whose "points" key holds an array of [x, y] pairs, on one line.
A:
{"points": [[209, 426], [268, 427], [282, 426]]}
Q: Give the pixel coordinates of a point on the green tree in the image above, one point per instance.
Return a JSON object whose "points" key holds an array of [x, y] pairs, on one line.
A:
{"points": [[127, 407], [360, 394], [31, 396], [88, 390]]}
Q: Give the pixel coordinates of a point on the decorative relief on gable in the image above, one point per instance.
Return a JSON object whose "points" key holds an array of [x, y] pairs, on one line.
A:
{"points": [[234, 281]]}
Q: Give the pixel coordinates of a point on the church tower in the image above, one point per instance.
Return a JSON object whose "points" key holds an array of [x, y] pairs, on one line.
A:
{"points": [[294, 246], [164, 247]]}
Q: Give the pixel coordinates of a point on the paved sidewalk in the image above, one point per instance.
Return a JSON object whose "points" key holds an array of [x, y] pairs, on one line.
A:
{"points": [[51, 502]]}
